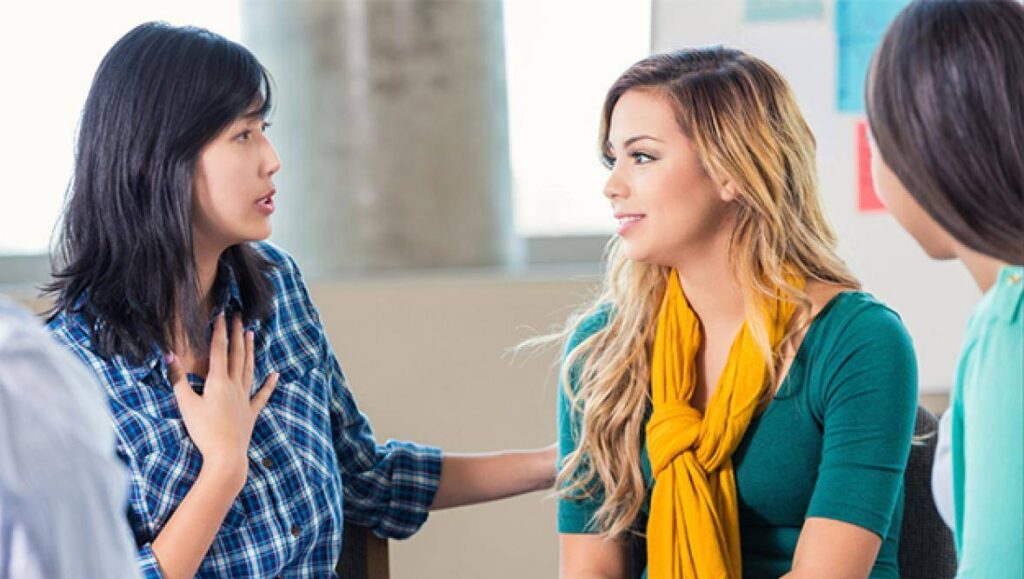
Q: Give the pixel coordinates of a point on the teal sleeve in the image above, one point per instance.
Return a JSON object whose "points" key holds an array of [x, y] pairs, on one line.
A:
{"points": [[575, 515], [868, 406], [993, 434]]}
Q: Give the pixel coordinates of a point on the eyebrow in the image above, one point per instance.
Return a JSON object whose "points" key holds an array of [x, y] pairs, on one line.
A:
{"points": [[631, 140]]}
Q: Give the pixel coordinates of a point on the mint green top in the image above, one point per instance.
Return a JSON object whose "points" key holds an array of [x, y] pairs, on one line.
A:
{"points": [[833, 443], [988, 436]]}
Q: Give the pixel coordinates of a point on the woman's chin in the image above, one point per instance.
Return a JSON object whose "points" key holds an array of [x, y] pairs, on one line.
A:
{"points": [[259, 233], [638, 253]]}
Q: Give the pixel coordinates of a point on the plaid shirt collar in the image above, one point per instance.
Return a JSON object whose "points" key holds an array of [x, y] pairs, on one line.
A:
{"points": [[228, 300]]}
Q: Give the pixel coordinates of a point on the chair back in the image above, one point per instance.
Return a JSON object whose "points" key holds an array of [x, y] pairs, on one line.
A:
{"points": [[927, 550], [363, 555]]}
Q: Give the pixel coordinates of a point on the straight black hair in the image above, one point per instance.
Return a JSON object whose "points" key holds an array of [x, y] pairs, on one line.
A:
{"points": [[124, 251], [945, 102]]}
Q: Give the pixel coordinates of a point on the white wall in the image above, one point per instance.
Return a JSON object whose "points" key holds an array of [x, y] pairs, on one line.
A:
{"points": [[934, 299]]}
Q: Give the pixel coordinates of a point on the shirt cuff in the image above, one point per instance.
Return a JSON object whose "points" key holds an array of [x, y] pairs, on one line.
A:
{"points": [[147, 563], [415, 479]]}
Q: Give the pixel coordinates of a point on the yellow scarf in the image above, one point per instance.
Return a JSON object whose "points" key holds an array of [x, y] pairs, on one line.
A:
{"points": [[693, 530]]}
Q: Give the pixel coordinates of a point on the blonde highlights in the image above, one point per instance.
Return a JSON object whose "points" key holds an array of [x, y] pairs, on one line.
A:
{"points": [[743, 120]]}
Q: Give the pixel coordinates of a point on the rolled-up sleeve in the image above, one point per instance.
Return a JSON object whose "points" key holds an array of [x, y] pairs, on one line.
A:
{"points": [[388, 487], [147, 563]]}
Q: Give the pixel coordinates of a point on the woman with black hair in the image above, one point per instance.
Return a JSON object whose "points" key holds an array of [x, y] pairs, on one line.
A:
{"points": [[160, 241], [944, 106]]}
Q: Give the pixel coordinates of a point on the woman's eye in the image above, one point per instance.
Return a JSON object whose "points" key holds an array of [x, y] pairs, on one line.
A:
{"points": [[641, 158], [608, 161], [265, 126], [244, 136]]}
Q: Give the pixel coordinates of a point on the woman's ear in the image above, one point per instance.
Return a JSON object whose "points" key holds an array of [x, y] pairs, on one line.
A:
{"points": [[728, 190]]}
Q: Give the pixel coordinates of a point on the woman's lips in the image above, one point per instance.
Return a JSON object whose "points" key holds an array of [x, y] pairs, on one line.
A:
{"points": [[627, 222], [266, 205]]}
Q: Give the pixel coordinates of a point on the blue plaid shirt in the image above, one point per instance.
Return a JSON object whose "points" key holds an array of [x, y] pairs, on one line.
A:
{"points": [[313, 457]]}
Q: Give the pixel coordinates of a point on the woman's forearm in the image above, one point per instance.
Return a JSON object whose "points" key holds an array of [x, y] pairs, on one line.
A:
{"points": [[182, 544], [832, 548], [476, 478]]}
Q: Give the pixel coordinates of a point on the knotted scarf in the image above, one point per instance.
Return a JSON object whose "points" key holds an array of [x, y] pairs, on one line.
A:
{"points": [[693, 529]]}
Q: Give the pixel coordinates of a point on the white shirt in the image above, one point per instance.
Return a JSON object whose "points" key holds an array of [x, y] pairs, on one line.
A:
{"points": [[62, 489], [942, 470]]}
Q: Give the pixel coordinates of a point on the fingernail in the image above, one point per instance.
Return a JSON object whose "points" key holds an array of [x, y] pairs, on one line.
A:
{"points": [[250, 334]]}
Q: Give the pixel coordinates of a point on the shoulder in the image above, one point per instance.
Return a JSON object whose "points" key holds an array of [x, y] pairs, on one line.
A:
{"points": [[15, 321], [284, 269], [75, 338], [25, 345], [291, 295], [22, 333], [995, 334], [53, 401], [277, 256], [861, 345], [852, 318], [24, 337], [588, 326], [999, 315], [294, 321], [71, 330]]}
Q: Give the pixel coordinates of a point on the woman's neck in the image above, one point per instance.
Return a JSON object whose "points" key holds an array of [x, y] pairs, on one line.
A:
{"points": [[710, 284], [983, 268]]}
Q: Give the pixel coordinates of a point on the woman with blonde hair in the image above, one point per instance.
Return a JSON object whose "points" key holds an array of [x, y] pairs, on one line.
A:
{"points": [[731, 384]]}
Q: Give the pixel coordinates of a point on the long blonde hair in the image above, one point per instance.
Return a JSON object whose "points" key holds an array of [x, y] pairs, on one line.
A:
{"points": [[743, 120]]}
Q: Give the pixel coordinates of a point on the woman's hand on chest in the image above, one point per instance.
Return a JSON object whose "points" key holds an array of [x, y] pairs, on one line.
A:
{"points": [[220, 420]]}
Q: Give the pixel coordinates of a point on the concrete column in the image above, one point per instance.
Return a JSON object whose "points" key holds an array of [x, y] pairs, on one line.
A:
{"points": [[391, 123]]}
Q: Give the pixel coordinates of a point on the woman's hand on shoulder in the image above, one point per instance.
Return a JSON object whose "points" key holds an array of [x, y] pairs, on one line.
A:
{"points": [[221, 420]]}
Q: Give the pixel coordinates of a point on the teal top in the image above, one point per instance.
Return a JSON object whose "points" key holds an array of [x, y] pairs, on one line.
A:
{"points": [[833, 443], [988, 436]]}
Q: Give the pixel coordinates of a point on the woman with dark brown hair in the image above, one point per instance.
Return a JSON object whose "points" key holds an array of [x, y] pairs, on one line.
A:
{"points": [[246, 448], [944, 106]]}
